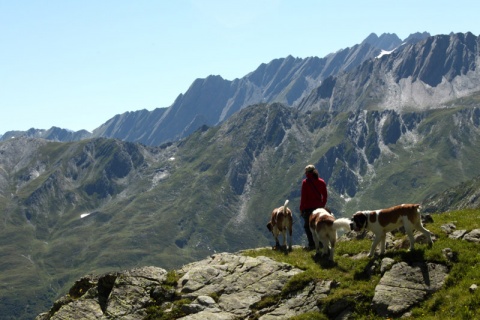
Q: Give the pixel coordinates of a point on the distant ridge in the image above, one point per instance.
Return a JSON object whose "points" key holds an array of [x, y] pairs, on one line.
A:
{"points": [[212, 100]]}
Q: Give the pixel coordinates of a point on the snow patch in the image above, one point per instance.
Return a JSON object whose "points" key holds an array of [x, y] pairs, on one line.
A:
{"points": [[345, 198], [83, 215], [383, 53]]}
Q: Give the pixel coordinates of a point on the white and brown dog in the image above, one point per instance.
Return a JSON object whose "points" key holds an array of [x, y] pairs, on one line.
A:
{"points": [[384, 220], [324, 229], [281, 222]]}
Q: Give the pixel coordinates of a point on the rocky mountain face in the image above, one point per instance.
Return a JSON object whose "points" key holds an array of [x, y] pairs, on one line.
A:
{"points": [[463, 196], [417, 76]]}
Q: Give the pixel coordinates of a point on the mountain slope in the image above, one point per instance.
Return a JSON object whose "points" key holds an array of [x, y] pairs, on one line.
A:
{"points": [[466, 195], [102, 204]]}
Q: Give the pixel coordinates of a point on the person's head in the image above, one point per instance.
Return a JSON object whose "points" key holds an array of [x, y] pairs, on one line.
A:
{"points": [[310, 170]]}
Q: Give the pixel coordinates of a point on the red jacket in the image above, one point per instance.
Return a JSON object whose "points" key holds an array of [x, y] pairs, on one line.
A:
{"points": [[314, 193]]}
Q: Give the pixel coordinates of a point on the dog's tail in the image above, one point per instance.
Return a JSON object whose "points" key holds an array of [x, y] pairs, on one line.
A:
{"points": [[285, 207], [343, 223]]}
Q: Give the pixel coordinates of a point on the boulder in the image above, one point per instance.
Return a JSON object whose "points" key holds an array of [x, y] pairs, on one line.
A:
{"points": [[404, 286]]}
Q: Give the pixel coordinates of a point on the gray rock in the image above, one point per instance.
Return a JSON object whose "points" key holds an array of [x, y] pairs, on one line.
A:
{"points": [[115, 295], [448, 228], [386, 265], [473, 236], [404, 286], [457, 234]]}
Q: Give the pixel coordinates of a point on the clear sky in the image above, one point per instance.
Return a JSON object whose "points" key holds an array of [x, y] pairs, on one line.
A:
{"points": [[76, 64]]}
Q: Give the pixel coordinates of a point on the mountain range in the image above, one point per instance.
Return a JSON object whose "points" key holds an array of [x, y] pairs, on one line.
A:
{"points": [[385, 122], [212, 100]]}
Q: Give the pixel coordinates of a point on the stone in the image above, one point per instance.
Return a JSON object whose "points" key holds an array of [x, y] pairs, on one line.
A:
{"points": [[404, 286], [472, 236], [457, 234]]}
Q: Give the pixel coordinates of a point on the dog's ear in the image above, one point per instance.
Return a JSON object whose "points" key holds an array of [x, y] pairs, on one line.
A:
{"points": [[269, 226]]}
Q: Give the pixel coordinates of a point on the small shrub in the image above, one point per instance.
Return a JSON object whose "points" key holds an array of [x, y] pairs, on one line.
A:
{"points": [[172, 278], [265, 302], [215, 296], [297, 283]]}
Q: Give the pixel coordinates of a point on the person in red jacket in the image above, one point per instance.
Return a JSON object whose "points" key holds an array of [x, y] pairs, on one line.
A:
{"points": [[313, 196]]}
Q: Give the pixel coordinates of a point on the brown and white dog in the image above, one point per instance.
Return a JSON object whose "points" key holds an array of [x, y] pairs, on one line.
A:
{"points": [[281, 222], [384, 220], [324, 229]]}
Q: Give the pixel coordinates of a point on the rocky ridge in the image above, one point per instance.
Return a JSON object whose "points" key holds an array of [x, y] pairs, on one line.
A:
{"points": [[232, 286]]}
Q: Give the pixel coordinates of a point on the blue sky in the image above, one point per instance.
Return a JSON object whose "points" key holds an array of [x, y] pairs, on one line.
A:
{"points": [[76, 64]]}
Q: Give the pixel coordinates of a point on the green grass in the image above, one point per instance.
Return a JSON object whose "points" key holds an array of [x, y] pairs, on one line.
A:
{"points": [[356, 284]]}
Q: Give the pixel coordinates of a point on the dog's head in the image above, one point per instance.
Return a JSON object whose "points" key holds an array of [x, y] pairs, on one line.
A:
{"points": [[359, 221]]}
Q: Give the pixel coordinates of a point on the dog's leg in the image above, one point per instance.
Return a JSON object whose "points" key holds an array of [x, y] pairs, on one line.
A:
{"points": [[425, 232], [383, 243], [290, 237], [316, 239], [374, 245], [275, 234], [325, 245], [333, 240], [284, 236], [409, 231]]}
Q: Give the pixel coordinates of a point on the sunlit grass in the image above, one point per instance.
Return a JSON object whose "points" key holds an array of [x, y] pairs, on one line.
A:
{"points": [[356, 278]]}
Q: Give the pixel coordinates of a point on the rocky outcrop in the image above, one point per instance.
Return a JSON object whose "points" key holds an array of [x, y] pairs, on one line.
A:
{"points": [[233, 286], [404, 286], [470, 236]]}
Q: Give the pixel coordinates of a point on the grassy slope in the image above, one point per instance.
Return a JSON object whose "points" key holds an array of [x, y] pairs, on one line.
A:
{"points": [[453, 301]]}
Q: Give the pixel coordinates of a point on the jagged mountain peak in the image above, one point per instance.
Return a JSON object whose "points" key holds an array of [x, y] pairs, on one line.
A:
{"points": [[416, 37], [386, 41], [415, 76], [54, 134]]}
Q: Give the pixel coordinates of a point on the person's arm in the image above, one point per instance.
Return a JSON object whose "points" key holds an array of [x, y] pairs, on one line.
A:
{"points": [[323, 192], [324, 195], [302, 198]]}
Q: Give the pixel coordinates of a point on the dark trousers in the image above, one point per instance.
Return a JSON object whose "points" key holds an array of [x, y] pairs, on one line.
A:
{"points": [[306, 215]]}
